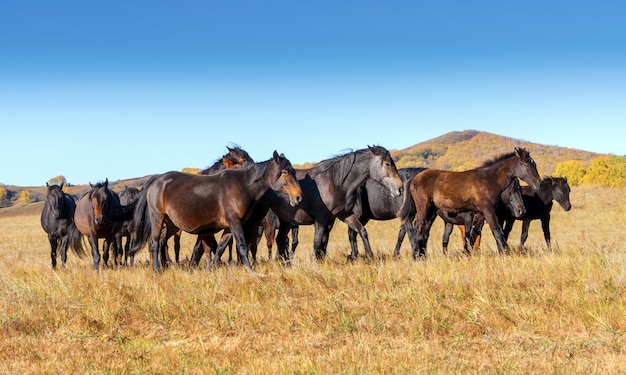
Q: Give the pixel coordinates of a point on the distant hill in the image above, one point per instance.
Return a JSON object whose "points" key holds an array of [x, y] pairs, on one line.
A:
{"points": [[462, 150]]}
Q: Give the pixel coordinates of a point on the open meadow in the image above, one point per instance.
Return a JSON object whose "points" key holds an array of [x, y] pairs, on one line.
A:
{"points": [[531, 311]]}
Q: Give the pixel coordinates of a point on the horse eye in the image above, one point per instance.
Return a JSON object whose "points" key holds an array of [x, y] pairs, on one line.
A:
{"points": [[284, 171], [387, 164]]}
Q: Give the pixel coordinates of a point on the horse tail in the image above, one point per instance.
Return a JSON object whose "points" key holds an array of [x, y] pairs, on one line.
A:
{"points": [[407, 210], [140, 227], [76, 241]]}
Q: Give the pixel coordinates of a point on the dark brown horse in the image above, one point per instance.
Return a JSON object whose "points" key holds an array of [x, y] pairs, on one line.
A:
{"points": [[475, 190], [538, 206], [204, 205], [236, 157], [510, 202], [330, 190], [99, 214], [57, 219]]}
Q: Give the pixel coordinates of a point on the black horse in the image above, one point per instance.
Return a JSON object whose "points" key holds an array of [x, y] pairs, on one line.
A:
{"points": [[128, 196], [330, 189], [204, 205], [374, 202], [538, 206], [57, 219]]}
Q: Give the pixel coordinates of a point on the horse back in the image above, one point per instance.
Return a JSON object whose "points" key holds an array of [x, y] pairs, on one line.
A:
{"points": [[454, 191]]}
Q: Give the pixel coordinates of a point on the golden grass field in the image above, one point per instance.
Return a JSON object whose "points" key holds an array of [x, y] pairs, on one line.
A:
{"points": [[562, 312]]}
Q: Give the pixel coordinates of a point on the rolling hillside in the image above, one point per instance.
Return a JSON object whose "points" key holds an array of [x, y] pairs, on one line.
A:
{"points": [[468, 149], [460, 150]]}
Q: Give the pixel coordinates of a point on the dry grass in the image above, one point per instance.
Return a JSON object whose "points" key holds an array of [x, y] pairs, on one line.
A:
{"points": [[533, 312]]}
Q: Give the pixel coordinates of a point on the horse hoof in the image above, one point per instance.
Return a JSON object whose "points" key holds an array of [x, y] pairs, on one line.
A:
{"points": [[352, 258]]}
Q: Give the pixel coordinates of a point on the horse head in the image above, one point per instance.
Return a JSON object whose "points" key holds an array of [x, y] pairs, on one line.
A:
{"points": [[283, 178], [55, 200], [237, 157], [99, 196], [512, 198], [383, 169], [560, 192], [526, 169]]}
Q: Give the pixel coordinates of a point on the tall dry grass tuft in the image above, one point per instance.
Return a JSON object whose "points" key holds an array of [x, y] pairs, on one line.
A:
{"points": [[528, 312]]}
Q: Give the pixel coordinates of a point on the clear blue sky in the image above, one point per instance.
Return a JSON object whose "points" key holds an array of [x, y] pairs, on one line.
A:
{"points": [[120, 89]]}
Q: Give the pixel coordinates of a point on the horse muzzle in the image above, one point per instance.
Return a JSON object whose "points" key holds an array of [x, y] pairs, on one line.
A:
{"points": [[294, 201], [519, 212], [98, 220]]}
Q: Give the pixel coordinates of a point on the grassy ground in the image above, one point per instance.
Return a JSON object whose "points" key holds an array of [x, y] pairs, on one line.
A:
{"points": [[529, 312]]}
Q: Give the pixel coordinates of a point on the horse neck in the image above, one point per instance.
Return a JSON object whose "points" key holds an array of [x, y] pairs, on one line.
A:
{"points": [[357, 176], [501, 172], [545, 193], [255, 178]]}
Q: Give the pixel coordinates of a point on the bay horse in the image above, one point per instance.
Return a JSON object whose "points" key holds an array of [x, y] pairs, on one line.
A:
{"points": [[510, 202], [476, 190], [374, 202], [538, 206], [235, 157], [206, 204], [57, 220], [99, 214], [330, 189]]}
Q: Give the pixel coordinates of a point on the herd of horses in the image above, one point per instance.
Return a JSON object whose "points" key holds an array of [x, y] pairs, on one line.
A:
{"points": [[243, 199]]}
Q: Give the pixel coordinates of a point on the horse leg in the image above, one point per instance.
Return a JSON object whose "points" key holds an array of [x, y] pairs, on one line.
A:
{"points": [[237, 230], [508, 226], [177, 246], [401, 233], [496, 229], [525, 227], [106, 245], [294, 238], [545, 225], [477, 228], [355, 224], [445, 239], [320, 239], [53, 250], [64, 243], [353, 245], [282, 242], [95, 251], [197, 253], [468, 239]]}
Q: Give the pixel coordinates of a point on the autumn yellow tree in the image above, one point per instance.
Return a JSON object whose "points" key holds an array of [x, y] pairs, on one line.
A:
{"points": [[25, 196], [574, 170]]}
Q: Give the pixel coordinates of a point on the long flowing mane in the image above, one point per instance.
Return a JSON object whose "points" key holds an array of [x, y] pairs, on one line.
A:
{"points": [[341, 165]]}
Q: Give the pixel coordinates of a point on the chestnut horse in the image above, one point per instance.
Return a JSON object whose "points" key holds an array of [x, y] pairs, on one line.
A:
{"points": [[476, 190], [204, 205]]}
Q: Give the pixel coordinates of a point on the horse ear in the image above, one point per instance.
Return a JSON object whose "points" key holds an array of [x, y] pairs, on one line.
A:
{"points": [[47, 184], [106, 182], [61, 186], [276, 156], [90, 185]]}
